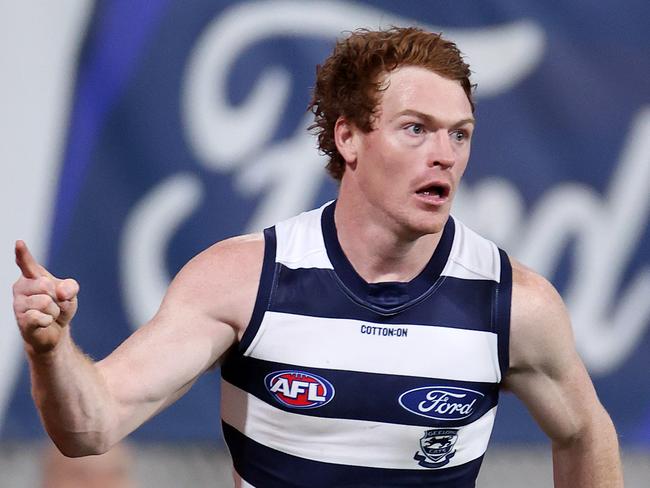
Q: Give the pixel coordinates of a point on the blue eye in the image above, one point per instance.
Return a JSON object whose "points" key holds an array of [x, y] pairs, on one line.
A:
{"points": [[416, 129], [459, 135]]}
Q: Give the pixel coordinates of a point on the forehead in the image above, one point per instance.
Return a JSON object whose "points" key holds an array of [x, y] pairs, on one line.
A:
{"points": [[420, 89]]}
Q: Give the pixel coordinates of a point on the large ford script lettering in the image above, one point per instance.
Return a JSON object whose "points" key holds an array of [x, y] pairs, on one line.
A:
{"points": [[299, 389], [441, 402], [607, 297]]}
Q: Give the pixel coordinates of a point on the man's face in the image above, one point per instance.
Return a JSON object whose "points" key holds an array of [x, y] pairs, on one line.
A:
{"points": [[409, 166]]}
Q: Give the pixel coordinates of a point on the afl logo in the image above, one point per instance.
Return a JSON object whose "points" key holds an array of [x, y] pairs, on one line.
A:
{"points": [[441, 402], [299, 389]]}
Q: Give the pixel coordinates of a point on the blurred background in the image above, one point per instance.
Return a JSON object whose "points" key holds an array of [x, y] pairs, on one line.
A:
{"points": [[133, 134]]}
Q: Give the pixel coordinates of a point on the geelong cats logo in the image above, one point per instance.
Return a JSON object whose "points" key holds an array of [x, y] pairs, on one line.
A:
{"points": [[441, 402], [437, 445], [299, 389]]}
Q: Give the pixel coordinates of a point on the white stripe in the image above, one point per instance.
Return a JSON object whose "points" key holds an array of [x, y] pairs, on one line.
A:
{"points": [[343, 441], [472, 257], [299, 241], [239, 481], [428, 351]]}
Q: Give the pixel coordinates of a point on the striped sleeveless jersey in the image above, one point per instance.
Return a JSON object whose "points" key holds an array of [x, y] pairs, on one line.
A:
{"points": [[342, 383]]}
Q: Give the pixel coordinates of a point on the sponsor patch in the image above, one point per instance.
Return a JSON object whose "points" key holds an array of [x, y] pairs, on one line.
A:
{"points": [[299, 389], [441, 402], [436, 448]]}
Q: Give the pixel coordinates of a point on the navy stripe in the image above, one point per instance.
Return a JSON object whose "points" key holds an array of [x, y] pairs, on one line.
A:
{"points": [[387, 297], [264, 467], [502, 318], [455, 302], [263, 290], [357, 395]]}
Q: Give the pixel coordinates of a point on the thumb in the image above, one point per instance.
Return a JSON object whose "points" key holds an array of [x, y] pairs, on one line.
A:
{"points": [[68, 309], [66, 293], [67, 290]]}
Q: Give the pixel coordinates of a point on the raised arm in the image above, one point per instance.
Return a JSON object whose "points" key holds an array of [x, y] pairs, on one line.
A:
{"points": [[86, 407], [547, 374]]}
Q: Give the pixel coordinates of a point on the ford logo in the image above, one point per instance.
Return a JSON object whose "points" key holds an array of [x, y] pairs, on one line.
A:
{"points": [[299, 389], [441, 402]]}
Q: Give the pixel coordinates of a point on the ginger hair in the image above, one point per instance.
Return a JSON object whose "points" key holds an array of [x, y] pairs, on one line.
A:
{"points": [[350, 81]]}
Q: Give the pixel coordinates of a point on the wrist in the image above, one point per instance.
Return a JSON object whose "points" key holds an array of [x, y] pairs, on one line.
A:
{"points": [[47, 354]]}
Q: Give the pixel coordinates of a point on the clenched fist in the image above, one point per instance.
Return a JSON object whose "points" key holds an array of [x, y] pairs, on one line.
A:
{"points": [[43, 305]]}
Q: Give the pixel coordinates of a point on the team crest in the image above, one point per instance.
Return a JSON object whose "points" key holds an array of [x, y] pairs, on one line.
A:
{"points": [[437, 445]]}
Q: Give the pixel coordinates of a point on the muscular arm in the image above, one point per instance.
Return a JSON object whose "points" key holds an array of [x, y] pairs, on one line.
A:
{"points": [[87, 407], [547, 374]]}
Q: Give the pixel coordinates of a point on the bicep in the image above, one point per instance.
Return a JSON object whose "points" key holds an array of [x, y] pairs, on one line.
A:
{"points": [[160, 362], [204, 310], [561, 403], [546, 372], [164, 355]]}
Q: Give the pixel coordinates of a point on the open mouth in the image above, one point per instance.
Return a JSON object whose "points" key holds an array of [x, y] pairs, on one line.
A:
{"points": [[436, 190]]}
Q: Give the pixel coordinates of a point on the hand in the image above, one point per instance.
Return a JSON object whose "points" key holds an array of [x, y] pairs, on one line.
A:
{"points": [[43, 305]]}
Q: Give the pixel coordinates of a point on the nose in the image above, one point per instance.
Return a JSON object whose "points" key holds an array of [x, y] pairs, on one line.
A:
{"points": [[440, 150]]}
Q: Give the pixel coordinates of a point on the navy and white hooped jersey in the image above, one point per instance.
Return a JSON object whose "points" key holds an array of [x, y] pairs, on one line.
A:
{"points": [[342, 383]]}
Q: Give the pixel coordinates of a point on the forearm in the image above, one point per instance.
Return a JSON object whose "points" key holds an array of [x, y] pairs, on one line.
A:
{"points": [[591, 460], [73, 401]]}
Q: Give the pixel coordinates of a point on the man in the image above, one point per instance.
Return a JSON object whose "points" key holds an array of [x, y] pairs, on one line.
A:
{"points": [[363, 343]]}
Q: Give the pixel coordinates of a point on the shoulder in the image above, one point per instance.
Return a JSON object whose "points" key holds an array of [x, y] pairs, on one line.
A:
{"points": [[532, 293], [222, 280], [235, 256], [540, 326]]}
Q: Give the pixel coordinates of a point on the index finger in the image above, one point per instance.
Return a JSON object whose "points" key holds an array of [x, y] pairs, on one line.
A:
{"points": [[29, 267]]}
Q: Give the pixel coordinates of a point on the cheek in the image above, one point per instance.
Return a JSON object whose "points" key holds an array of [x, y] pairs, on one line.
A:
{"points": [[457, 173], [462, 159], [372, 158]]}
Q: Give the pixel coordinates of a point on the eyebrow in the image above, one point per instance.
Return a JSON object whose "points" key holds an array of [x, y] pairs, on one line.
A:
{"points": [[433, 120]]}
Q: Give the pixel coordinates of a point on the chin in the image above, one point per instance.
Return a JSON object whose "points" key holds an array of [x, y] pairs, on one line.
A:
{"points": [[434, 228], [429, 225]]}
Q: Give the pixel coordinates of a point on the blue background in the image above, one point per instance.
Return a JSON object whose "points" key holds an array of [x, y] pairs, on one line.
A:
{"points": [[567, 121]]}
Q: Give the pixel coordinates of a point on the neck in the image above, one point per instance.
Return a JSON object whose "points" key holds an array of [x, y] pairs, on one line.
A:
{"points": [[393, 256]]}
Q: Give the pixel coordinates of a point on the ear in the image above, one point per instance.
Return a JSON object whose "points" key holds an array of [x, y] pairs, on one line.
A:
{"points": [[346, 140]]}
